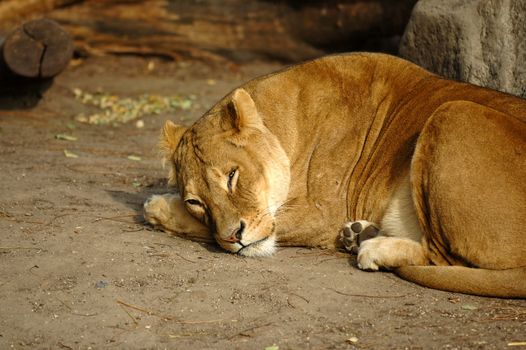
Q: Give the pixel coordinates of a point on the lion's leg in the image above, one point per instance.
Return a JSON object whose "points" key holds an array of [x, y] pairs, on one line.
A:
{"points": [[467, 173], [468, 176], [400, 220], [168, 212], [399, 241]]}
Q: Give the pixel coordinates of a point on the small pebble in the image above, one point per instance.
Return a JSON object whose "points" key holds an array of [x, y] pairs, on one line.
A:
{"points": [[101, 284]]}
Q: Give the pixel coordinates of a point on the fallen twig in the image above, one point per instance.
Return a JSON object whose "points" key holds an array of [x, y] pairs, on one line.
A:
{"points": [[517, 343], [31, 270], [62, 345], [21, 248], [57, 217], [129, 315], [506, 314], [243, 332], [168, 318], [139, 228], [182, 257], [299, 296], [9, 218], [148, 312], [116, 218], [368, 296], [334, 258], [73, 312], [201, 322], [182, 335], [160, 255], [171, 246]]}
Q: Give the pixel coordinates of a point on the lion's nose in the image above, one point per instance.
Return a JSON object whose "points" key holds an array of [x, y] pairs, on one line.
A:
{"points": [[237, 234]]}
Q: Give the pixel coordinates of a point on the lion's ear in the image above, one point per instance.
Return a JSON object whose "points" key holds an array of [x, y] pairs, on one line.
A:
{"points": [[243, 111], [170, 136]]}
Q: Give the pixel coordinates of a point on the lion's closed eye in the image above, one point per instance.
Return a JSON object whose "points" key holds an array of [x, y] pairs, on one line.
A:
{"points": [[194, 202], [233, 176]]}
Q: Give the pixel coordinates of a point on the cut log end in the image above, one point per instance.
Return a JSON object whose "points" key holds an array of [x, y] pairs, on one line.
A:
{"points": [[38, 49]]}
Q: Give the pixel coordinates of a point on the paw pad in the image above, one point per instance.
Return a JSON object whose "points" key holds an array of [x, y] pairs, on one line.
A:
{"points": [[354, 233]]}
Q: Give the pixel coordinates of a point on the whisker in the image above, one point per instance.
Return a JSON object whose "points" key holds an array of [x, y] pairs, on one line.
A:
{"points": [[285, 206]]}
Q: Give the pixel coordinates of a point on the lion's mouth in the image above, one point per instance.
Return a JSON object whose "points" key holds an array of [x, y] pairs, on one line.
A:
{"points": [[263, 247], [253, 245]]}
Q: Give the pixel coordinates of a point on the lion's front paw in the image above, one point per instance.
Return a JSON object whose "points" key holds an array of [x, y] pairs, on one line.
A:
{"points": [[354, 233], [389, 253], [168, 213], [371, 254], [156, 210]]}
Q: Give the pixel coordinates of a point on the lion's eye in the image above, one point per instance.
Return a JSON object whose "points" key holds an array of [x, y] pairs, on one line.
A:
{"points": [[193, 202], [231, 178]]}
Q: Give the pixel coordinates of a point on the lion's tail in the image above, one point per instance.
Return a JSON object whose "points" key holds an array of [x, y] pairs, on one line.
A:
{"points": [[510, 283]]}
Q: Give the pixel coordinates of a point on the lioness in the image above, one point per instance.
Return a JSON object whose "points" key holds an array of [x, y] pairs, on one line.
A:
{"points": [[317, 154]]}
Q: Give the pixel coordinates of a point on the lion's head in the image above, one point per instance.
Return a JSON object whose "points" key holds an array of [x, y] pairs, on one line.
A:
{"points": [[231, 172]]}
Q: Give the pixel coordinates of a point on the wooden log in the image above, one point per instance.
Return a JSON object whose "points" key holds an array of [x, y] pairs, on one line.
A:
{"points": [[37, 49], [231, 30]]}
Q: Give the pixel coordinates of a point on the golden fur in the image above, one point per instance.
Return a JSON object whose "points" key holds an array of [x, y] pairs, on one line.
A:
{"points": [[290, 157]]}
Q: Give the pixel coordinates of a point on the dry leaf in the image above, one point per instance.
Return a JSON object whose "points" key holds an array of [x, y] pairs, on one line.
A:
{"points": [[352, 340], [70, 154], [469, 307], [114, 109], [65, 137]]}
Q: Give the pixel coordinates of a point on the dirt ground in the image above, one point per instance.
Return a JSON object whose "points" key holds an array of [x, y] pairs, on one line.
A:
{"points": [[79, 269]]}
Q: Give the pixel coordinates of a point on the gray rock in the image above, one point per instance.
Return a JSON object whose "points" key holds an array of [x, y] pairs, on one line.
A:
{"points": [[101, 284], [478, 41]]}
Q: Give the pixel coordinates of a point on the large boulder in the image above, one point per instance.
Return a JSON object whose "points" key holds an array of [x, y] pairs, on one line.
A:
{"points": [[479, 41]]}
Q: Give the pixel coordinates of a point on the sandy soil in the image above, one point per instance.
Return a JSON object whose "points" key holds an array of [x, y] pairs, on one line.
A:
{"points": [[79, 269]]}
